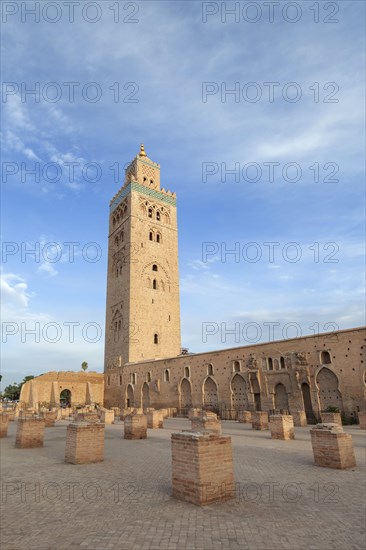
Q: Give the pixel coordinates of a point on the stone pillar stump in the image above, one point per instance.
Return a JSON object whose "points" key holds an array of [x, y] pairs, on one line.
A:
{"points": [[154, 420], [331, 418], [30, 433], [362, 419], [281, 426], [3, 424], [299, 418], [245, 417], [202, 467], [332, 448], [207, 421], [84, 443], [260, 420], [135, 426]]}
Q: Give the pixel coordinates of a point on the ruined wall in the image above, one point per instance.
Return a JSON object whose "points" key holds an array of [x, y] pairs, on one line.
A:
{"points": [[85, 388], [313, 372]]}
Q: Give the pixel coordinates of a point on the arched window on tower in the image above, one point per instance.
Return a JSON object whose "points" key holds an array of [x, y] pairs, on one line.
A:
{"points": [[156, 338], [155, 284], [166, 375], [186, 372], [282, 363], [236, 366], [325, 358], [158, 237], [150, 212], [150, 236], [158, 215], [154, 267], [270, 363], [210, 369]]}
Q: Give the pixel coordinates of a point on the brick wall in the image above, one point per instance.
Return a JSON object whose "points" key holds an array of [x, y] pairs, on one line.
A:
{"points": [[84, 443], [202, 468]]}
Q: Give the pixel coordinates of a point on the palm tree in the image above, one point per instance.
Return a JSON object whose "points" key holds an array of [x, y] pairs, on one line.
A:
{"points": [[84, 365]]}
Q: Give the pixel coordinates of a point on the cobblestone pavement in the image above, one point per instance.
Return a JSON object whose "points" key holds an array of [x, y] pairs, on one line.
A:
{"points": [[282, 500]]}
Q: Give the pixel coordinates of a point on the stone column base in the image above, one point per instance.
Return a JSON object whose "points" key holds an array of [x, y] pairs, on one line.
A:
{"points": [[4, 425], [281, 426], [260, 420], [202, 468], [154, 420], [299, 418], [332, 448], [135, 426], [331, 418], [30, 433], [245, 417], [84, 443]]}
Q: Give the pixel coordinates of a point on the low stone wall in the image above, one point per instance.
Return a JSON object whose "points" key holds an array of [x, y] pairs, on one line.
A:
{"points": [[135, 426], [202, 468], [332, 448], [281, 426], [30, 433], [84, 443], [260, 420]]}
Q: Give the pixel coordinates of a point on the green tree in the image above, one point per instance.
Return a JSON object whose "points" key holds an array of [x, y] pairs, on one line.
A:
{"points": [[13, 390], [84, 365]]}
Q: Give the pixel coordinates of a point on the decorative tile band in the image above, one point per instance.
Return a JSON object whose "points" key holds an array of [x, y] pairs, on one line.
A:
{"points": [[134, 186]]}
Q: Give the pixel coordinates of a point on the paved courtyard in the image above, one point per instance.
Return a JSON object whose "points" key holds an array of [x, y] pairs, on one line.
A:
{"points": [[282, 500]]}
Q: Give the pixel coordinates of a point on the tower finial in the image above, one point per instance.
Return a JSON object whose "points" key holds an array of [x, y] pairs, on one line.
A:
{"points": [[142, 151]]}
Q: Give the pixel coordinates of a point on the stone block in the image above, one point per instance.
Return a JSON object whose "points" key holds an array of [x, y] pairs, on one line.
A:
{"points": [[331, 418], [260, 420], [206, 421], [299, 418], [281, 426], [362, 419], [193, 413], [4, 420], [49, 418], [135, 426], [30, 433], [84, 443], [154, 420], [202, 468], [332, 448], [245, 417]]}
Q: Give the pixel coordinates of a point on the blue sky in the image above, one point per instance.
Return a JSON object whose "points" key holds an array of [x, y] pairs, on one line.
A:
{"points": [[162, 61]]}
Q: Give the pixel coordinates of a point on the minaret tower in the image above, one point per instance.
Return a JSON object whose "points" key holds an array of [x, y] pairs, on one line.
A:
{"points": [[143, 314]]}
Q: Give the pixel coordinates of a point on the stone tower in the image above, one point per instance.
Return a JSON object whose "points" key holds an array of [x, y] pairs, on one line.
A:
{"points": [[143, 314]]}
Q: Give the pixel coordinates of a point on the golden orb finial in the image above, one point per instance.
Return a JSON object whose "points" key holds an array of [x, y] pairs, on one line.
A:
{"points": [[142, 151]]}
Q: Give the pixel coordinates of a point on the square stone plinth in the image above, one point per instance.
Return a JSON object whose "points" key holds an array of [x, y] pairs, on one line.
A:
{"points": [[299, 418], [202, 467], [154, 419], [84, 443], [260, 420], [362, 419], [281, 426], [30, 433], [331, 418], [245, 417], [135, 426], [206, 422], [4, 420], [332, 448]]}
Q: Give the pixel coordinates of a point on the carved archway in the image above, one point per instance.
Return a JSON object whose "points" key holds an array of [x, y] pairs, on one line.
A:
{"points": [[185, 394], [280, 397], [130, 398], [239, 397], [328, 389], [210, 395], [145, 396]]}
